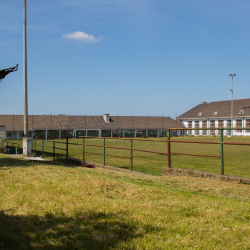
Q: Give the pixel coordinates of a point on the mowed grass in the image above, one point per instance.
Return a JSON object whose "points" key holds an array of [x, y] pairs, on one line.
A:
{"points": [[236, 158], [59, 207]]}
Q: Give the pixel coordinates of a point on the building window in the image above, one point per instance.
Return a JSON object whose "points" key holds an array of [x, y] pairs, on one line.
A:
{"points": [[204, 125], [212, 125], [189, 126], [197, 126], [229, 126], [248, 125], [239, 125], [220, 125]]}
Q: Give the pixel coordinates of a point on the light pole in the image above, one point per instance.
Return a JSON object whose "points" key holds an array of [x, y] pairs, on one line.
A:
{"points": [[232, 90], [25, 90], [26, 141]]}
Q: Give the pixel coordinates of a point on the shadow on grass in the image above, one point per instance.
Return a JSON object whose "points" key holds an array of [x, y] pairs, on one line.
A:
{"points": [[9, 162], [13, 162], [91, 230]]}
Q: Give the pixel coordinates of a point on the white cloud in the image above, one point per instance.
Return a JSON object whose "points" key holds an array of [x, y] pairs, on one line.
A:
{"points": [[81, 36]]}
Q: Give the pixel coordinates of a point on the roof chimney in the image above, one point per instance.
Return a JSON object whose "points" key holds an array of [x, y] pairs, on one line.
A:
{"points": [[106, 117]]}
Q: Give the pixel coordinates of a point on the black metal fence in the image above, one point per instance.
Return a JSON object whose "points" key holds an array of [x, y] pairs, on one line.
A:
{"points": [[53, 149], [14, 148]]}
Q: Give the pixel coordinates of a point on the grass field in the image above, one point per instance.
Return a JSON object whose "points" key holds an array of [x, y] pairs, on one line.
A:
{"points": [[237, 157], [59, 207]]}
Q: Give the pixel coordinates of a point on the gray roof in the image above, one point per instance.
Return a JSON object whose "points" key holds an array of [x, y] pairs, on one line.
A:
{"points": [[55, 122], [241, 108]]}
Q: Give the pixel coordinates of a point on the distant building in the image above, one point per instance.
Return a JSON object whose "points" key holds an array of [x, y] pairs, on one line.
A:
{"points": [[218, 115], [59, 127]]}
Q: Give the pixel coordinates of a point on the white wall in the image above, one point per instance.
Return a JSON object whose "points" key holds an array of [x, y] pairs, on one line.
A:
{"points": [[243, 133]]}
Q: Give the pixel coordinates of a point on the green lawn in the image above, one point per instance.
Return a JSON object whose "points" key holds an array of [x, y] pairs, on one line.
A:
{"points": [[236, 157], [51, 206]]}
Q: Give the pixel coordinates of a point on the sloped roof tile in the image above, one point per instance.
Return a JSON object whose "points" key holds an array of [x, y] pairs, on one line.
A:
{"points": [[218, 110], [53, 122]]}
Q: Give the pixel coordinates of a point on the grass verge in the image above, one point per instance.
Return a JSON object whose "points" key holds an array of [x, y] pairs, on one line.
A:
{"points": [[57, 207]]}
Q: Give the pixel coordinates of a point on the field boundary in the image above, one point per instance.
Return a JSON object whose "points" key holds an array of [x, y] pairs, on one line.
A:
{"points": [[97, 165], [203, 174]]}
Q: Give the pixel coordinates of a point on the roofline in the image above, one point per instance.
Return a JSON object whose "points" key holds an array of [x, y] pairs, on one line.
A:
{"points": [[81, 129], [203, 118], [94, 115]]}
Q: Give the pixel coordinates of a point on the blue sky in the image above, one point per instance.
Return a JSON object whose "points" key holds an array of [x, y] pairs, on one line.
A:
{"points": [[140, 57]]}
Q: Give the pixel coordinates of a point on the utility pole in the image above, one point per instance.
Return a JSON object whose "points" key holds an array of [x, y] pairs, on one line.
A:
{"points": [[25, 90], [232, 90], [26, 141]]}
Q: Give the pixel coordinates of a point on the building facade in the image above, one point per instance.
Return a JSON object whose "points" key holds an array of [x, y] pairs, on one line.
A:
{"points": [[218, 115], [61, 126]]}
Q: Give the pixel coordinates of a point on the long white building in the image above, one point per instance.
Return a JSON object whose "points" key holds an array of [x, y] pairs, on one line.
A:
{"points": [[218, 115]]}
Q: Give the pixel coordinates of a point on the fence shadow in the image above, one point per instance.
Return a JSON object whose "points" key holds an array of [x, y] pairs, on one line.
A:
{"points": [[13, 162], [89, 230], [19, 162]]}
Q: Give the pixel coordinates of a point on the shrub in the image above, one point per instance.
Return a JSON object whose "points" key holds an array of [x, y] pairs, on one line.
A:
{"points": [[2, 143]]}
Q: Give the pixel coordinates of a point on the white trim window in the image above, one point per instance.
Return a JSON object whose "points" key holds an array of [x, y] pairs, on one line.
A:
{"points": [[190, 126], [197, 126], [220, 125], [204, 125], [248, 125], [212, 125], [239, 125], [229, 126]]}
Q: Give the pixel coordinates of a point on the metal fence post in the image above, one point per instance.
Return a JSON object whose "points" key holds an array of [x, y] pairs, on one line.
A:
{"points": [[42, 148], [162, 127], [54, 150], [83, 150], [169, 150], [103, 151], [67, 148], [35, 147], [222, 151], [131, 157]]}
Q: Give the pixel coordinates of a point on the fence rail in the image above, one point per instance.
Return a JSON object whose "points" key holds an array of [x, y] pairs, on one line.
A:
{"points": [[13, 148], [53, 147], [169, 142], [64, 146]]}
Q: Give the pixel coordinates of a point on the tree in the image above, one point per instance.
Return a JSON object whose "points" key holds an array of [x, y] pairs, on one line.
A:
{"points": [[2, 142]]}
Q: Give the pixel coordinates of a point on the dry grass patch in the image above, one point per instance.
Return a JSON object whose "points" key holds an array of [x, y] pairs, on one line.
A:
{"points": [[57, 207]]}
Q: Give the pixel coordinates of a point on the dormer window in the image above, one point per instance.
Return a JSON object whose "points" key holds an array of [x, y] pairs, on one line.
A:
{"points": [[215, 113], [199, 114], [106, 118]]}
